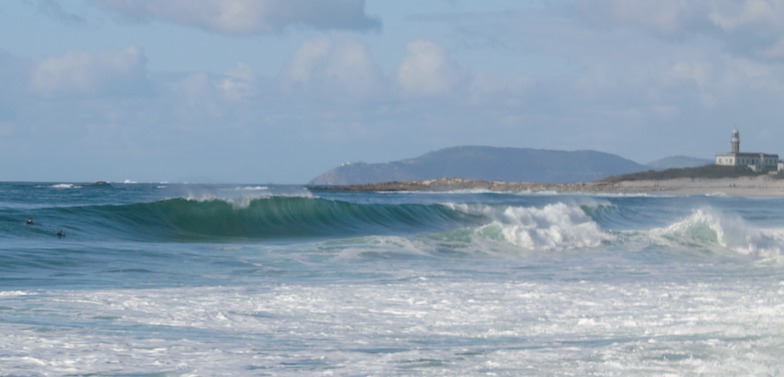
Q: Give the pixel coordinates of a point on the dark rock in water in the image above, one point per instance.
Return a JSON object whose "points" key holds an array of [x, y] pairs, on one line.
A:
{"points": [[487, 163], [97, 184]]}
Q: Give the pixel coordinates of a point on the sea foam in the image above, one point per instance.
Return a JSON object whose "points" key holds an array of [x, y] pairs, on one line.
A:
{"points": [[554, 227], [64, 186]]}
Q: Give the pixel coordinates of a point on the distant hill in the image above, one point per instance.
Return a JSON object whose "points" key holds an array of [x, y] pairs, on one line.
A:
{"points": [[675, 162], [487, 163]]}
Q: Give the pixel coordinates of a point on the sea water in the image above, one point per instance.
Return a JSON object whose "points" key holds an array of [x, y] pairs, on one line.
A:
{"points": [[252, 280]]}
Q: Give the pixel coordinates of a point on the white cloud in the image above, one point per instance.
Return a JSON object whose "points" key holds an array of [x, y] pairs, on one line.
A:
{"points": [[239, 82], [248, 16], [734, 15], [85, 74], [426, 70], [54, 10], [340, 67], [747, 27], [753, 27], [335, 65], [306, 58]]}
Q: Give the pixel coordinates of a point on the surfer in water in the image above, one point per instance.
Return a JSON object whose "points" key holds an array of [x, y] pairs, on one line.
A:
{"points": [[29, 221], [60, 233]]}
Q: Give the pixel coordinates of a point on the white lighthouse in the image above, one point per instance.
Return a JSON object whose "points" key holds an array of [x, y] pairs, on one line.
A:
{"points": [[735, 141], [756, 161]]}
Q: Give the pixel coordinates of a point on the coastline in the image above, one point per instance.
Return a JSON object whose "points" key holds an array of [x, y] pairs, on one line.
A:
{"points": [[756, 186]]}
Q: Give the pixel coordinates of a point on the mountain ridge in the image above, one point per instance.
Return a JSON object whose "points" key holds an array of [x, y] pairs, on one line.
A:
{"points": [[487, 163]]}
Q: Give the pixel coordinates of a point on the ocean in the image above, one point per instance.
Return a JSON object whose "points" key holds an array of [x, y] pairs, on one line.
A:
{"points": [[264, 280]]}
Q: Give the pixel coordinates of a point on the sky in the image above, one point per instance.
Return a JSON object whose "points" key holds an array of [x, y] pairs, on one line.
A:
{"points": [[279, 91]]}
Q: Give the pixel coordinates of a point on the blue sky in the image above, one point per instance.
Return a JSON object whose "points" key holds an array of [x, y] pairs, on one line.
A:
{"points": [[278, 91]]}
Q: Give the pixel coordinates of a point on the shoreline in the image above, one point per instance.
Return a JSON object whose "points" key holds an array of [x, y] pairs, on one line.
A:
{"points": [[756, 186]]}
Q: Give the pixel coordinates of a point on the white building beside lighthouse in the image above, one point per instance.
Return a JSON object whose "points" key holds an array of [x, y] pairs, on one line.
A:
{"points": [[756, 161]]}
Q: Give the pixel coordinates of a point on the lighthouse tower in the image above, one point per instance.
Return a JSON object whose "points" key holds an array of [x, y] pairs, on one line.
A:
{"points": [[735, 141]]}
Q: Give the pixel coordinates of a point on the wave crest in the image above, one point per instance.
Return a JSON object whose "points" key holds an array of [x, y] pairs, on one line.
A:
{"points": [[708, 229], [554, 227]]}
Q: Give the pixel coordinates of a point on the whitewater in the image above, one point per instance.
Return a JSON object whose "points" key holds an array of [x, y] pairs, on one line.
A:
{"points": [[262, 280]]}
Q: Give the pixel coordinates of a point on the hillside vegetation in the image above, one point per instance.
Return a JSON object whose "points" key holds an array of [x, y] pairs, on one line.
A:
{"points": [[707, 171]]}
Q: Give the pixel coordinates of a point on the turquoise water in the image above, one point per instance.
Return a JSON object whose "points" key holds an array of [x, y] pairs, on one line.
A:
{"points": [[180, 280]]}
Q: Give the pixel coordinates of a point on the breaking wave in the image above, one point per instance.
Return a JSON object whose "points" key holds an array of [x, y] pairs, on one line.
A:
{"points": [[554, 227], [460, 227], [707, 229]]}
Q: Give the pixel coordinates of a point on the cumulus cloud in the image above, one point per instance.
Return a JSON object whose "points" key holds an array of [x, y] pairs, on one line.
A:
{"points": [[426, 70], [337, 65], [248, 16], [86, 74], [199, 96]]}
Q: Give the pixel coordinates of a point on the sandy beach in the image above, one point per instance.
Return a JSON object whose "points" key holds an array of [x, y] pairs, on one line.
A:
{"points": [[762, 186], [758, 186]]}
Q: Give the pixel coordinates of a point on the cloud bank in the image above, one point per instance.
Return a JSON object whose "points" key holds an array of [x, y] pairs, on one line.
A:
{"points": [[86, 74], [750, 27], [244, 17]]}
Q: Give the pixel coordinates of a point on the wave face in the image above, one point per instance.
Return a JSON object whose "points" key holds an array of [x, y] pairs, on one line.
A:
{"points": [[262, 218]]}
